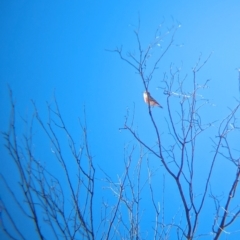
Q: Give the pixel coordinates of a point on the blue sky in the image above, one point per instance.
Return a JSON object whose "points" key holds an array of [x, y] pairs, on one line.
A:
{"points": [[48, 47]]}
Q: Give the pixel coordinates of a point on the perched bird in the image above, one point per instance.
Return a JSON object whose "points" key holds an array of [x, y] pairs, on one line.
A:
{"points": [[150, 100]]}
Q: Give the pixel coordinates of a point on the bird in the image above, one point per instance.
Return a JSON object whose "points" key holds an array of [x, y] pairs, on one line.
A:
{"points": [[150, 100]]}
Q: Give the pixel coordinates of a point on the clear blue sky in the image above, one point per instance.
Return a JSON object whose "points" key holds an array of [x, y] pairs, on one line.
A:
{"points": [[48, 47]]}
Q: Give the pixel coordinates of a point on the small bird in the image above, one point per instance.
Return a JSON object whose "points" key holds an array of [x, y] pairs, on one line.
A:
{"points": [[150, 100]]}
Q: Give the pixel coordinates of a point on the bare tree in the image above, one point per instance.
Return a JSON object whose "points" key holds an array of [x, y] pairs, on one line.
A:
{"points": [[178, 153], [61, 199]]}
